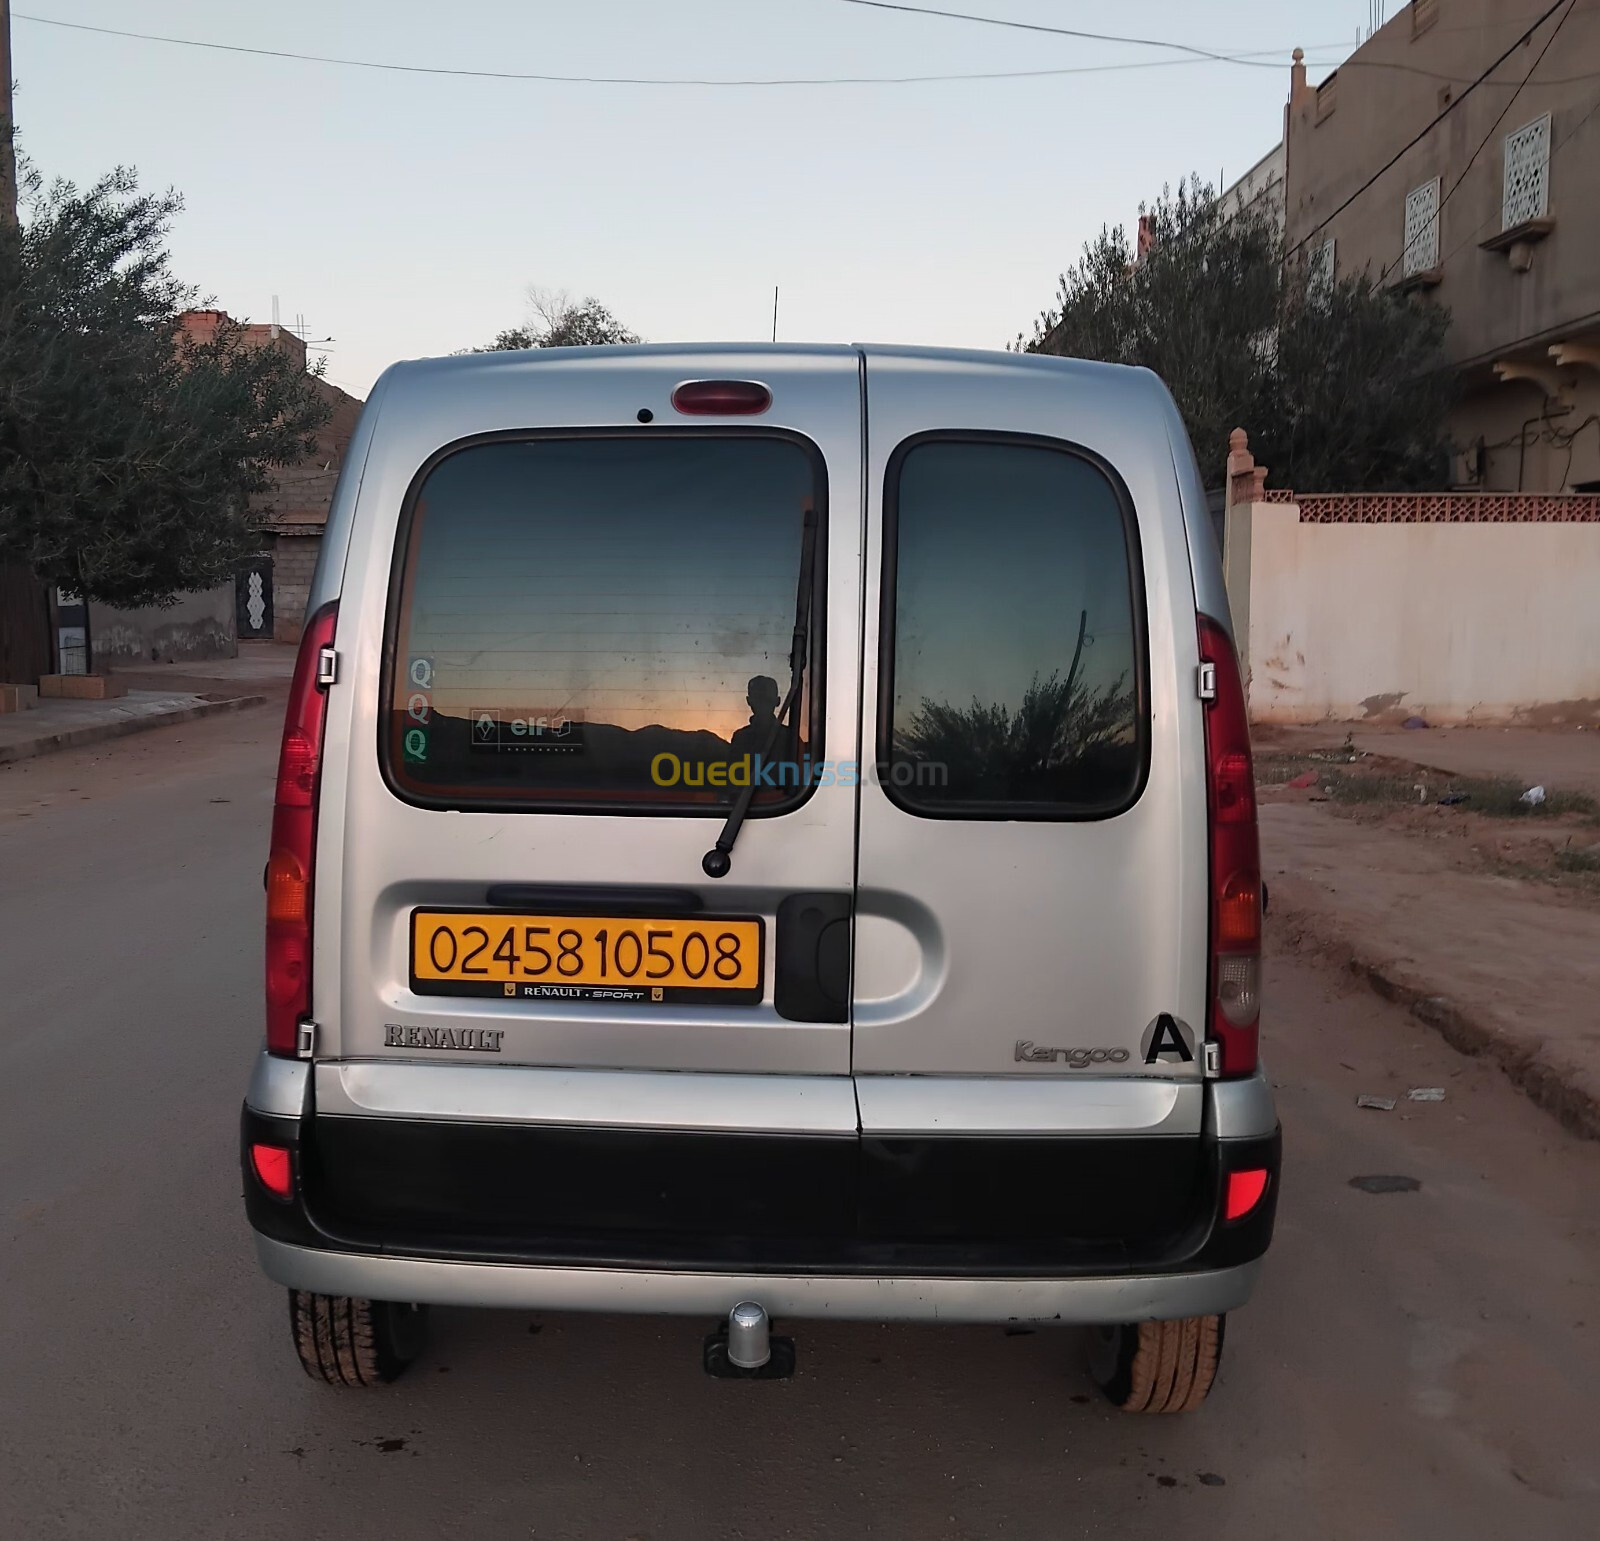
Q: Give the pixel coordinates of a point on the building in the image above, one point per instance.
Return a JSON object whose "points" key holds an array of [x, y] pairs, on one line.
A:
{"points": [[1489, 208], [270, 600], [1261, 186]]}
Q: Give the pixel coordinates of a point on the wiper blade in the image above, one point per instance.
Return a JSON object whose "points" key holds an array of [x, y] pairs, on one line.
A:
{"points": [[718, 861]]}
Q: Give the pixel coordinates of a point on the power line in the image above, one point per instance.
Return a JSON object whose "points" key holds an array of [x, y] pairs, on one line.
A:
{"points": [[1432, 124], [1274, 56], [629, 80], [1096, 37], [1511, 101]]}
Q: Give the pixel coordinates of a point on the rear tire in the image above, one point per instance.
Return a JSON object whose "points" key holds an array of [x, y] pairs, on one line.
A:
{"points": [[1157, 1367], [348, 1342]]}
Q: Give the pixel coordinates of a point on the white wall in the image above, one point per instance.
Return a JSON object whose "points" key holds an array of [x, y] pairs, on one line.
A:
{"points": [[1453, 622], [199, 625]]}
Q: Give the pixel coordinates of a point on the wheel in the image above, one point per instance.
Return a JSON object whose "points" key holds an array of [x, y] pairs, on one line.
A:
{"points": [[1157, 1367], [348, 1342]]}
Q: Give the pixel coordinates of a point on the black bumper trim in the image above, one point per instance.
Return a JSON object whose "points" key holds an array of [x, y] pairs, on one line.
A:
{"points": [[973, 1206]]}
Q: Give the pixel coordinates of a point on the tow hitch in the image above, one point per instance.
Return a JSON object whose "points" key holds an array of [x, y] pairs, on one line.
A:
{"points": [[743, 1347]]}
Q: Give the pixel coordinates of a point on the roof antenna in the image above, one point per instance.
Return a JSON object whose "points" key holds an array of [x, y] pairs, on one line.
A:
{"points": [[274, 318], [774, 312]]}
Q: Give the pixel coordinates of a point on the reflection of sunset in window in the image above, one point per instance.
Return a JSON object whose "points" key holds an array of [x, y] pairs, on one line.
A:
{"points": [[637, 585]]}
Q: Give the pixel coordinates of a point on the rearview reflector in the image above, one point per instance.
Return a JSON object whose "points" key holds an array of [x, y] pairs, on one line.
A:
{"points": [[1244, 1193], [271, 1164]]}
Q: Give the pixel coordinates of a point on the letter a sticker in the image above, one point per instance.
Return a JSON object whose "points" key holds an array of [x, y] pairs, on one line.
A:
{"points": [[1166, 1035]]}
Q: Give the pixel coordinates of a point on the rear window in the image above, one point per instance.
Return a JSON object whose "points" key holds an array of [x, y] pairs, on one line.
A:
{"points": [[1013, 684], [604, 623]]}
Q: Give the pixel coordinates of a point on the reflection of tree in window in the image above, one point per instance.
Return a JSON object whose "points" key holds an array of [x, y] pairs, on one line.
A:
{"points": [[1065, 743], [1015, 666]]}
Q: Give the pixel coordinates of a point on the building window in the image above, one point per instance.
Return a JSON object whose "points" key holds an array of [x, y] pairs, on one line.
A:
{"points": [[1319, 278], [1422, 229], [1527, 176], [1423, 15]]}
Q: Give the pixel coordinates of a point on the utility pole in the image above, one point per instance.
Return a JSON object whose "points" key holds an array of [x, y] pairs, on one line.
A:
{"points": [[8, 147]]}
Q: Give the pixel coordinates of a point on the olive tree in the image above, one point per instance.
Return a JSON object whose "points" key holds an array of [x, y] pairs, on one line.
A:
{"points": [[1342, 384], [129, 452]]}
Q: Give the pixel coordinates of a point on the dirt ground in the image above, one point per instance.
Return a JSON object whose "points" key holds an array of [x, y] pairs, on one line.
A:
{"points": [[1475, 823], [1448, 892], [1558, 757]]}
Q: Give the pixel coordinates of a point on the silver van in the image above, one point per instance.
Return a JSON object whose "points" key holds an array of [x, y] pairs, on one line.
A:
{"points": [[761, 834]]}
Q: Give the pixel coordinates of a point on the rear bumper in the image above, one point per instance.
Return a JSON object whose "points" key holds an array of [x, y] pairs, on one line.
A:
{"points": [[1084, 1301], [1039, 1227]]}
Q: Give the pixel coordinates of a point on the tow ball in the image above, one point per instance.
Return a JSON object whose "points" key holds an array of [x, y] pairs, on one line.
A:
{"points": [[744, 1348]]}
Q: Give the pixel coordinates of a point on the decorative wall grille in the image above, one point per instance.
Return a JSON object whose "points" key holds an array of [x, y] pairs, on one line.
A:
{"points": [[1441, 507], [1422, 228], [1527, 184], [1319, 281]]}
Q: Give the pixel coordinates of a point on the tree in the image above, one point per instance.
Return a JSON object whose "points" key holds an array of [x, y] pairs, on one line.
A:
{"points": [[559, 321], [129, 452], [1342, 385]]}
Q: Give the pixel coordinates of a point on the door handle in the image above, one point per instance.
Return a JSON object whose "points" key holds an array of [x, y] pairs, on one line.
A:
{"points": [[811, 968]]}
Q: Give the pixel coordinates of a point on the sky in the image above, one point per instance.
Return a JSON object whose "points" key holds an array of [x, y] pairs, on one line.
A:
{"points": [[406, 214]]}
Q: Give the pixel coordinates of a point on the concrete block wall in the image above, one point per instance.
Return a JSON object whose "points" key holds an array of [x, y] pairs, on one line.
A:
{"points": [[294, 561]]}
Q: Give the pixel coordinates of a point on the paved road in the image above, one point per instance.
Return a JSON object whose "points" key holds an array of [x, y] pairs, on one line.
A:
{"points": [[1417, 1365]]}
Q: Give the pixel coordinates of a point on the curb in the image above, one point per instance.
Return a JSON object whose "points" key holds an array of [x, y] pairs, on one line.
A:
{"points": [[94, 733], [1547, 1084]]}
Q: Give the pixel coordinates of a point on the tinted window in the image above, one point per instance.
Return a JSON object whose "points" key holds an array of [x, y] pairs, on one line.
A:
{"points": [[1015, 684], [601, 622]]}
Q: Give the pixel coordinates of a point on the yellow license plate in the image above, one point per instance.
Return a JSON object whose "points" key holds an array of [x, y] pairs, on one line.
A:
{"points": [[661, 960]]}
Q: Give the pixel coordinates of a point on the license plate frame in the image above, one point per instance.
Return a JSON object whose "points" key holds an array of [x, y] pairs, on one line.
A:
{"points": [[671, 934]]}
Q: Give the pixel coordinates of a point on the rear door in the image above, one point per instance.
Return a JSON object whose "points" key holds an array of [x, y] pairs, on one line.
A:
{"points": [[1032, 876], [566, 632]]}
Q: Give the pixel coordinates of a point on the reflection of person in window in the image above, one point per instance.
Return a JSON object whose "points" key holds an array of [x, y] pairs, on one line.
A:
{"points": [[764, 699]]}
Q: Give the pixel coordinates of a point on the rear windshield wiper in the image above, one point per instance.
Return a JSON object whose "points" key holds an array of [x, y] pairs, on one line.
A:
{"points": [[718, 861]]}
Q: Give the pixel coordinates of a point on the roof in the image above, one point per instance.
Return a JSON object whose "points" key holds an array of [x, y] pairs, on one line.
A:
{"points": [[750, 355]]}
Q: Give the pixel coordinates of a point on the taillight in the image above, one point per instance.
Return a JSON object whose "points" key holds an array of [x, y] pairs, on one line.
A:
{"points": [[294, 833], [1235, 858]]}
